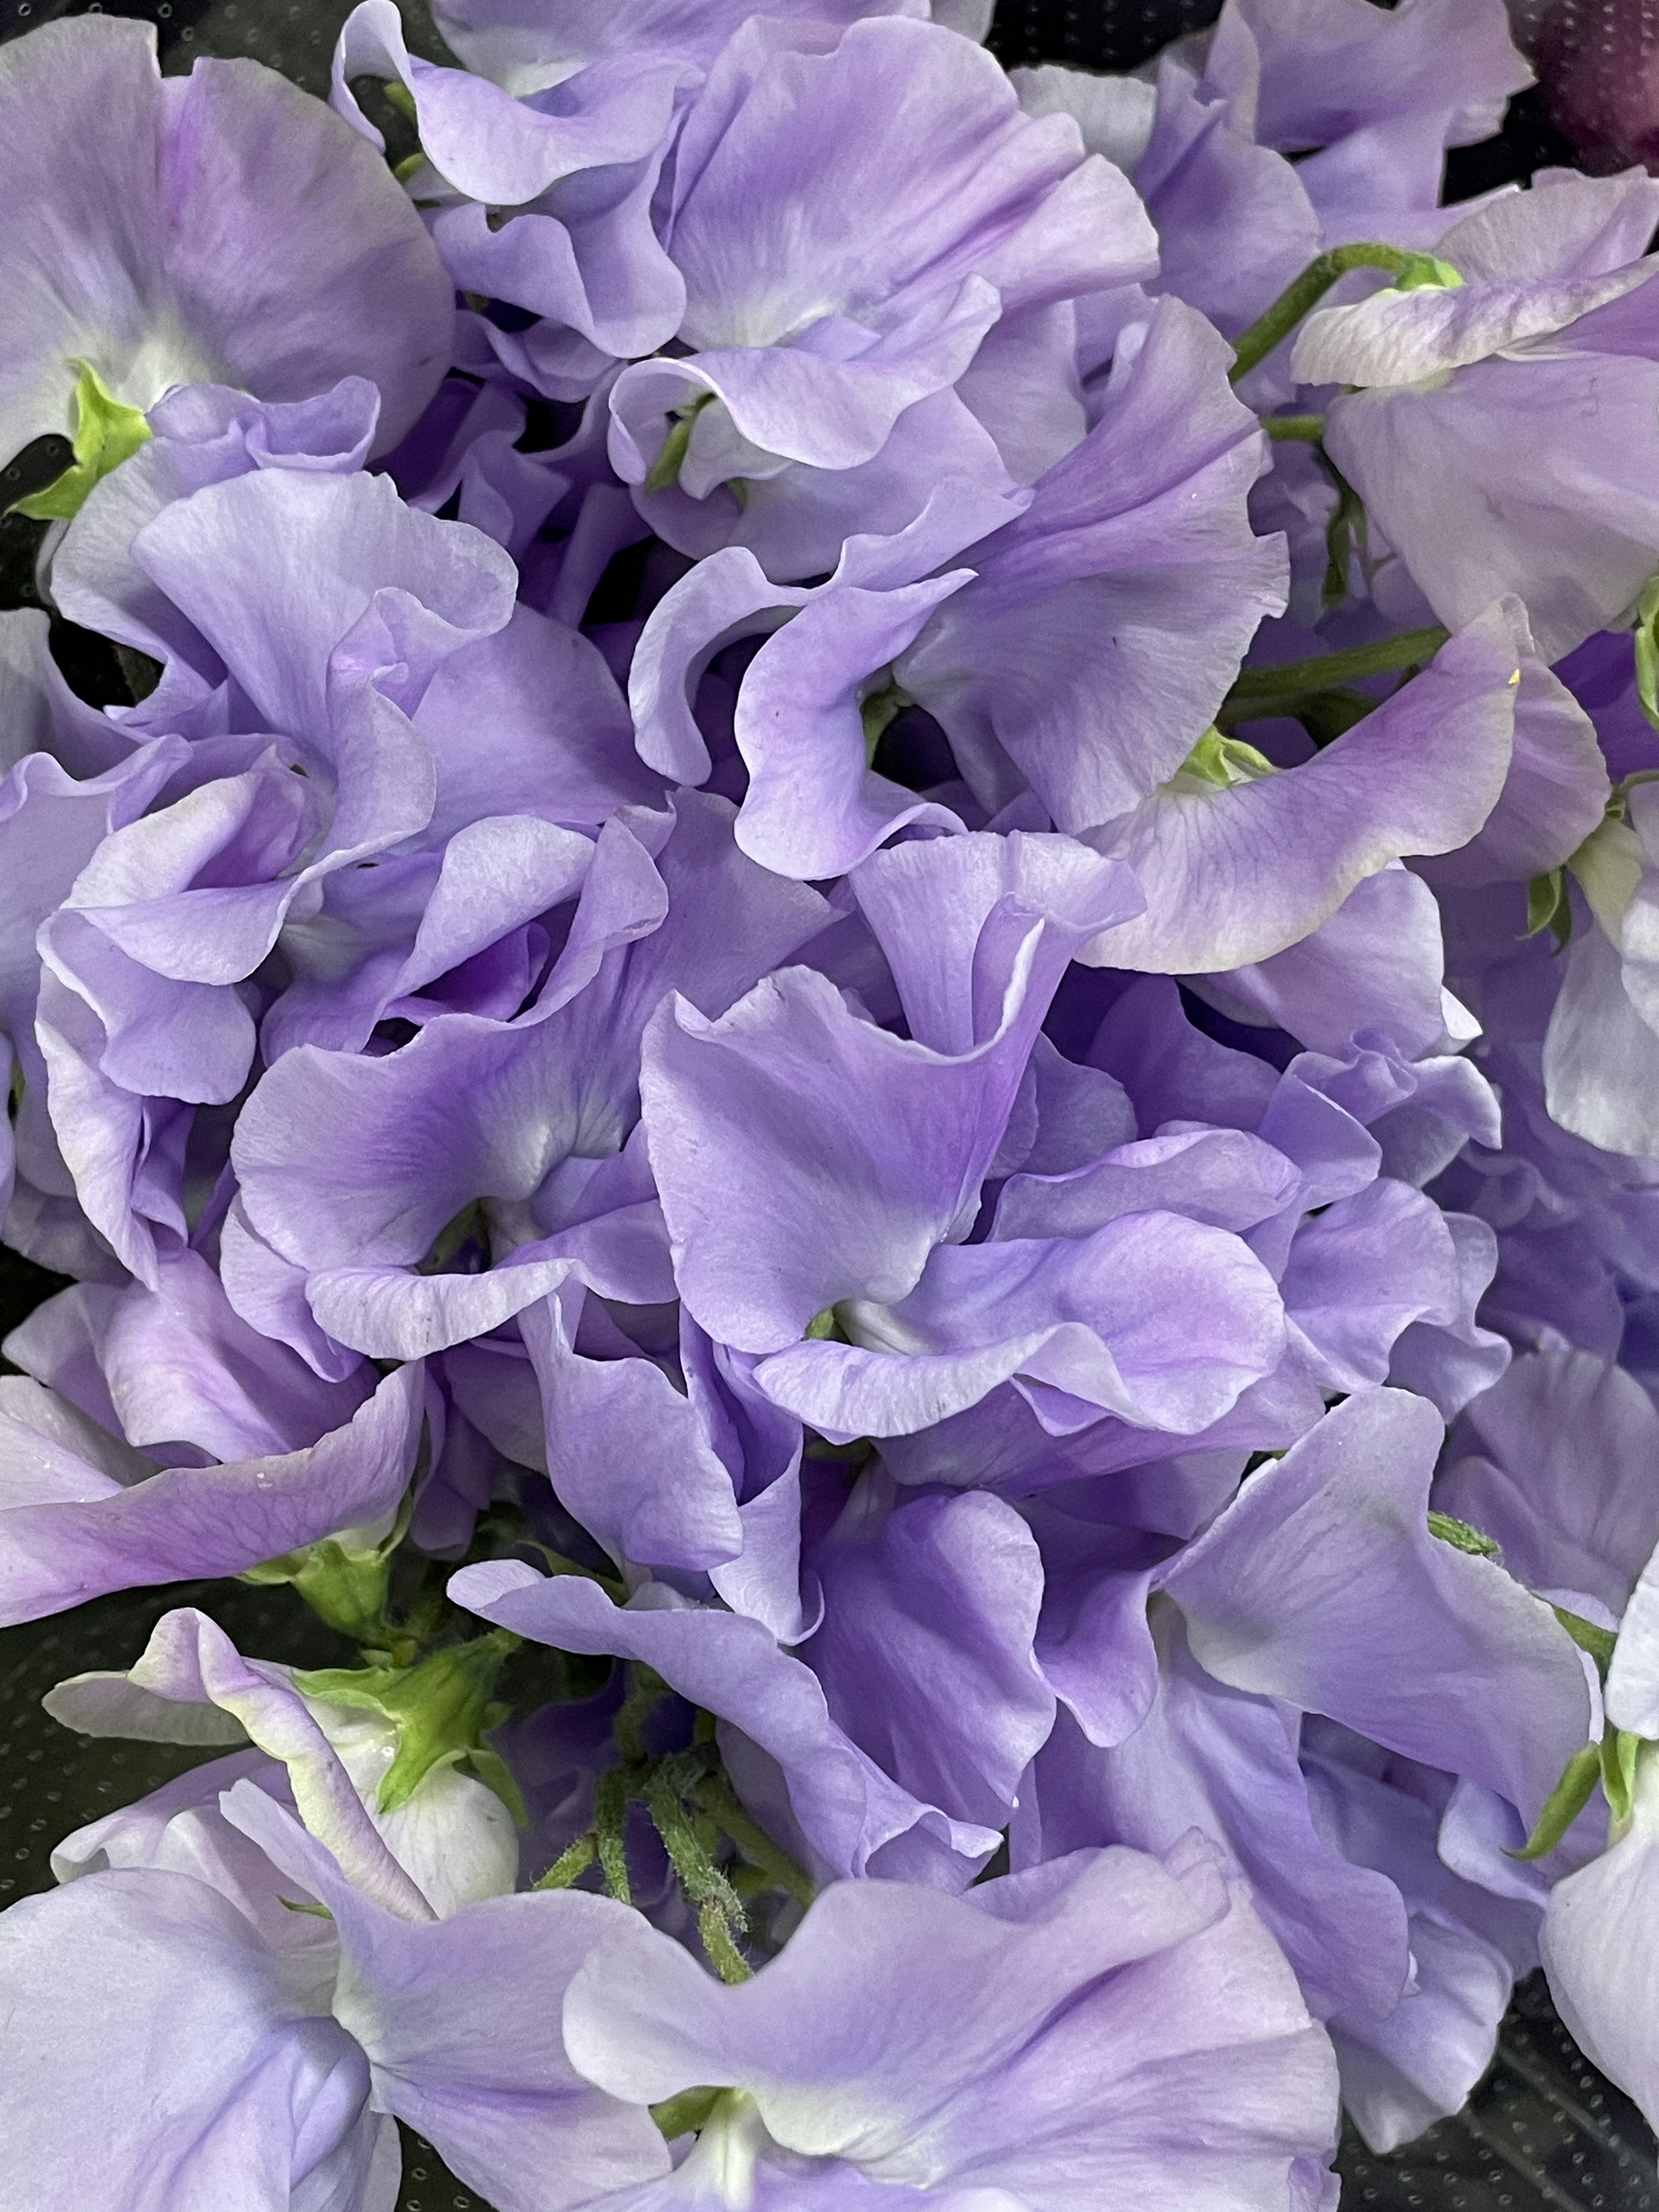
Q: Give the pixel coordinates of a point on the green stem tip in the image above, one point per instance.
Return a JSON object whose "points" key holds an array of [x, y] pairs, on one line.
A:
{"points": [[1412, 272]]}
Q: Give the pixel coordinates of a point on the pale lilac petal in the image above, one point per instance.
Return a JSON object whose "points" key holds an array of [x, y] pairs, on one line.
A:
{"points": [[1322, 1572], [1598, 1947], [1105, 625], [232, 231], [1235, 875], [191, 1678], [96, 2117], [850, 1812], [460, 2020], [190, 1522], [1552, 1462]]}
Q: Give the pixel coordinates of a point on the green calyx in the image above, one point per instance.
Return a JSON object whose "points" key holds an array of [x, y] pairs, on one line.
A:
{"points": [[438, 1708], [1461, 1537], [107, 432], [1549, 907], [690, 2110], [1221, 763], [665, 469], [1613, 1763], [345, 1584], [876, 711], [1647, 651], [1412, 272]]}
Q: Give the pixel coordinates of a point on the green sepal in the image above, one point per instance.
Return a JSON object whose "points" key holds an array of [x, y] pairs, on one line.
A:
{"points": [[1549, 907], [345, 1588], [680, 2115], [1223, 762], [1564, 1804], [493, 1770], [295, 1905], [1461, 1537], [1430, 274], [825, 1328], [1598, 1642], [876, 712], [1619, 1752], [107, 432], [665, 469], [438, 1708]]}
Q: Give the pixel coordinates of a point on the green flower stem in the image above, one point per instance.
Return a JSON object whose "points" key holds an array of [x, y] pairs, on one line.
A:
{"points": [[715, 1793], [611, 1797], [1261, 692], [1411, 272], [720, 1917], [1309, 429], [645, 1694], [571, 1864]]}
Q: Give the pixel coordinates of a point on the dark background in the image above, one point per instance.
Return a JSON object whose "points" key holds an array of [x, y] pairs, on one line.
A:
{"points": [[1544, 2130]]}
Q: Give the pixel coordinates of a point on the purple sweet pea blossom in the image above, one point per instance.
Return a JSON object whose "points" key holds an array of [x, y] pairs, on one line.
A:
{"points": [[799, 1770], [1145, 2036], [744, 1116], [1597, 1946], [1555, 322], [531, 1116], [447, 1845], [1236, 871], [230, 231], [257, 2055], [1288, 1604], [806, 350], [85, 1512]]}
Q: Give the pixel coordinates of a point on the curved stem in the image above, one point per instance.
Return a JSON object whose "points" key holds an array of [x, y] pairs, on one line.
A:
{"points": [[1264, 691], [1410, 271]]}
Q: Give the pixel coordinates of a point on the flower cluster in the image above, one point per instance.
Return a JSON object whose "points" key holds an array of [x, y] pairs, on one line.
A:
{"points": [[857, 1018]]}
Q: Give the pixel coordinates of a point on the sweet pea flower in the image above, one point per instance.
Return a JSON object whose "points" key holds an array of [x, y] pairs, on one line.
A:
{"points": [[850, 1285], [1076, 645], [1146, 2037], [815, 348], [160, 1438], [1553, 321], [226, 229], [443, 1846], [1297, 1599], [257, 2054]]}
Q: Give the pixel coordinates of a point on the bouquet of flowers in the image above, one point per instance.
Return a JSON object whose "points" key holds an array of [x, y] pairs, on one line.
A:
{"points": [[852, 1008]]}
